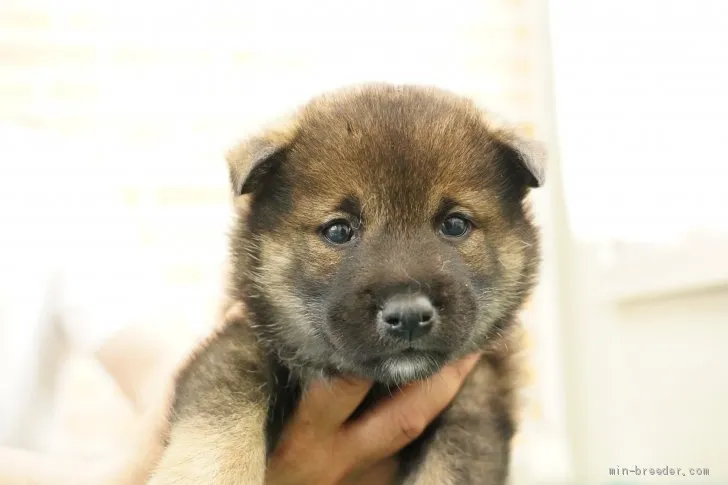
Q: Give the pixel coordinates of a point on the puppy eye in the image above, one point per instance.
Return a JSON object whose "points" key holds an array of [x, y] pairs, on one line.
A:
{"points": [[455, 226], [338, 232]]}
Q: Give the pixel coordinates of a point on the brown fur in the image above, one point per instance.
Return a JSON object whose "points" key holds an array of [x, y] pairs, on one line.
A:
{"points": [[393, 161]]}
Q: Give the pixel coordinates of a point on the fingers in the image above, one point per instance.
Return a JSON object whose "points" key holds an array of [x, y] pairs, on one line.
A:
{"points": [[327, 404], [384, 471], [394, 423], [319, 446], [306, 452]]}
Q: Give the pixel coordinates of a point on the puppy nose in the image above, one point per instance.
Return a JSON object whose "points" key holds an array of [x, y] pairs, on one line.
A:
{"points": [[407, 317]]}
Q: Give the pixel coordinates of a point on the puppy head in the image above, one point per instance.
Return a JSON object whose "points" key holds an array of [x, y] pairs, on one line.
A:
{"points": [[384, 233]]}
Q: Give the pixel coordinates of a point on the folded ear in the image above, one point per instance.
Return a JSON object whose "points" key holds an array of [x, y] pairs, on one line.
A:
{"points": [[531, 157], [253, 161], [526, 157]]}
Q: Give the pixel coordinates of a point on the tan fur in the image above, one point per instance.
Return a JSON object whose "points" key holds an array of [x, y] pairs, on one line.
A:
{"points": [[223, 451], [298, 307], [435, 470], [215, 452], [493, 383]]}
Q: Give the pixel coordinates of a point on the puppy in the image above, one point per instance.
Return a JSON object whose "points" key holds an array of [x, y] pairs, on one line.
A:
{"points": [[382, 233]]}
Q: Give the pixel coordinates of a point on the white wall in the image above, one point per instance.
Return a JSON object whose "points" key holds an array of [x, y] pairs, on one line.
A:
{"points": [[646, 378], [643, 258]]}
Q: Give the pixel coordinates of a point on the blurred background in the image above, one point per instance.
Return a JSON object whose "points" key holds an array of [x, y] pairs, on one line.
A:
{"points": [[629, 326]]}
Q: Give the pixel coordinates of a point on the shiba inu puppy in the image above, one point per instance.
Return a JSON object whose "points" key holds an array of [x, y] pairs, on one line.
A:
{"points": [[382, 232]]}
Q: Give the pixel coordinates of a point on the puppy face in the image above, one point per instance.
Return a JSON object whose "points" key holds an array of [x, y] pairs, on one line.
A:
{"points": [[384, 232]]}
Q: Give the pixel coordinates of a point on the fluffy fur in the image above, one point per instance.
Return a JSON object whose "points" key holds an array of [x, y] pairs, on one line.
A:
{"points": [[393, 162]]}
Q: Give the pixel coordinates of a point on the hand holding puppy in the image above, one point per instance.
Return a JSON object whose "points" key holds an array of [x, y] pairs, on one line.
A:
{"points": [[321, 445]]}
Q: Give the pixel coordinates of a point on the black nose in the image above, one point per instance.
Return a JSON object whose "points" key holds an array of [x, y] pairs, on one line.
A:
{"points": [[407, 317]]}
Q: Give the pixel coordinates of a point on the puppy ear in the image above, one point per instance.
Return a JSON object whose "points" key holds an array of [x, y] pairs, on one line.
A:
{"points": [[256, 159], [527, 158], [530, 157], [251, 162], [523, 157]]}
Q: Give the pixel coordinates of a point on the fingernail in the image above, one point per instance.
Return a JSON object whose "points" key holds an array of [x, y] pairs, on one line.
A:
{"points": [[470, 361]]}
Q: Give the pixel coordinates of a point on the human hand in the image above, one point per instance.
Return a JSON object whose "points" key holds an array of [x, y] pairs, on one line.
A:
{"points": [[319, 445]]}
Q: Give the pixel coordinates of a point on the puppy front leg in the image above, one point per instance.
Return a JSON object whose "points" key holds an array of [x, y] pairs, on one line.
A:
{"points": [[217, 431], [202, 451], [471, 443]]}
